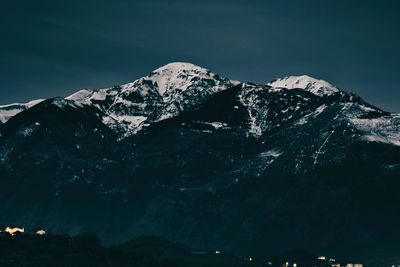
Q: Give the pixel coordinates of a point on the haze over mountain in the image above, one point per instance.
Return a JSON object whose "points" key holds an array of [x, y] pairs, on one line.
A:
{"points": [[197, 158]]}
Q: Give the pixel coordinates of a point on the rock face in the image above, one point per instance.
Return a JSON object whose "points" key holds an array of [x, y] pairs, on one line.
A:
{"points": [[196, 158]]}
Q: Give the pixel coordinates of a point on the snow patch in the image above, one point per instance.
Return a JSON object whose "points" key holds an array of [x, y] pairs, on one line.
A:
{"points": [[270, 153], [383, 130], [125, 123], [216, 125], [312, 115], [270, 156]]}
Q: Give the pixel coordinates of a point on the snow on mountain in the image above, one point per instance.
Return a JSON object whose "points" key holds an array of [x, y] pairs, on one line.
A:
{"points": [[8, 111], [183, 76], [271, 109], [385, 129], [175, 87], [305, 82], [179, 86], [162, 94]]}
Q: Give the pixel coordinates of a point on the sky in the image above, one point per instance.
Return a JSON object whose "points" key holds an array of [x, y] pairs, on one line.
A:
{"points": [[54, 48]]}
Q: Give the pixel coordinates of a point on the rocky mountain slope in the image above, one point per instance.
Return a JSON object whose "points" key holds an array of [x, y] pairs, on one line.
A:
{"points": [[194, 157]]}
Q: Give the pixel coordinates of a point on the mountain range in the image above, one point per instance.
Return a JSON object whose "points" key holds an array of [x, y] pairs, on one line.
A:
{"points": [[186, 154]]}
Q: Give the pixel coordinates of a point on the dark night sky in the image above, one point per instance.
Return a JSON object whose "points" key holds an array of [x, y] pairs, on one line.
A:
{"points": [[54, 48]]}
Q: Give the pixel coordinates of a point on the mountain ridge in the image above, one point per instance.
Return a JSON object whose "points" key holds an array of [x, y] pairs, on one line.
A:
{"points": [[178, 86], [10, 110]]}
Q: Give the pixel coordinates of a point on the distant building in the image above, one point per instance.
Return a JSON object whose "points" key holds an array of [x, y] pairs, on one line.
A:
{"points": [[40, 232], [13, 231]]}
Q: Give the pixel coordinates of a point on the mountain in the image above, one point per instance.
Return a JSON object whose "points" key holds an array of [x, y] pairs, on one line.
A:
{"points": [[162, 94], [213, 163]]}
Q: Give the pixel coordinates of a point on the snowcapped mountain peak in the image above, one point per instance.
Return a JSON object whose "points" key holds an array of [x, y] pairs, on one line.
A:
{"points": [[179, 66], [164, 82], [175, 75], [305, 82], [181, 76]]}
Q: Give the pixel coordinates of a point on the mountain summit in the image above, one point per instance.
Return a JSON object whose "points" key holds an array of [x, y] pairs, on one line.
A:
{"points": [[186, 76], [305, 82]]}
